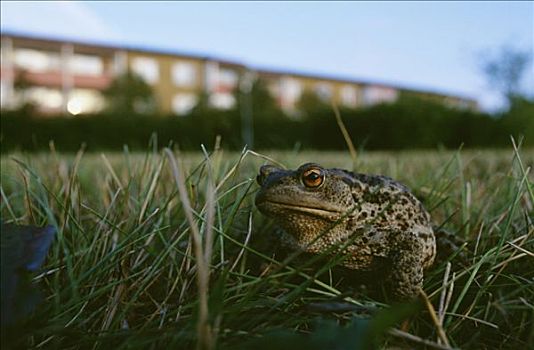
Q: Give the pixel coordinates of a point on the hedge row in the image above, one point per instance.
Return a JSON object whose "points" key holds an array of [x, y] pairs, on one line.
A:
{"points": [[403, 125]]}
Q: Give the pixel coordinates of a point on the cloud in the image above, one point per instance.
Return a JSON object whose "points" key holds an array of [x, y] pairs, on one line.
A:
{"points": [[65, 19]]}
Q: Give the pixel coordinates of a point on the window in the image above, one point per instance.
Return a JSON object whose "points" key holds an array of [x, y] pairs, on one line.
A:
{"points": [[222, 100], [349, 96], [43, 97], [184, 103], [147, 68], [324, 91], [290, 89], [83, 101], [120, 62], [86, 65], [457, 103], [274, 89], [228, 77], [212, 74], [378, 94], [463, 104], [4, 94], [184, 74], [37, 61]]}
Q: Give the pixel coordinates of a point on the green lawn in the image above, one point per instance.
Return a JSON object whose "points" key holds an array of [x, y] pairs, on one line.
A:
{"points": [[135, 267]]}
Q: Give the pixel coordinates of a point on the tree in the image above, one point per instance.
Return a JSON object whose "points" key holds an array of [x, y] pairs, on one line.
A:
{"points": [[505, 70], [203, 105], [261, 100], [310, 103], [255, 104], [22, 85], [129, 93], [519, 119]]}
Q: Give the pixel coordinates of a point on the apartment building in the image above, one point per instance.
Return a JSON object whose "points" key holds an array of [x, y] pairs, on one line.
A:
{"points": [[68, 76]]}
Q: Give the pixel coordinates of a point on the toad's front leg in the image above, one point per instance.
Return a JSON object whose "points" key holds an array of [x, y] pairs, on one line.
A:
{"points": [[406, 274]]}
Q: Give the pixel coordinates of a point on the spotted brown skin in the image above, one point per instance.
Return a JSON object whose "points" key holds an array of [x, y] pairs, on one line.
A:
{"points": [[373, 220]]}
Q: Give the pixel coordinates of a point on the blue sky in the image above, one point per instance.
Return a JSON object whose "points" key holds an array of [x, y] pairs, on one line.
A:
{"points": [[433, 45]]}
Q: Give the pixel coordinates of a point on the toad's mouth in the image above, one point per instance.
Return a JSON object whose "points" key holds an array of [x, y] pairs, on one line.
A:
{"points": [[271, 207]]}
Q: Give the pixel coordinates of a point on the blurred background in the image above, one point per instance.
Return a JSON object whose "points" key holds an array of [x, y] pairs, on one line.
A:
{"points": [[404, 74]]}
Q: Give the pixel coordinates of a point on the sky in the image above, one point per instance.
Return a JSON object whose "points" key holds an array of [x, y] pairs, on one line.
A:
{"points": [[428, 45]]}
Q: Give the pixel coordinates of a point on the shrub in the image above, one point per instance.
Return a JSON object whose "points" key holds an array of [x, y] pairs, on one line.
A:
{"points": [[407, 124]]}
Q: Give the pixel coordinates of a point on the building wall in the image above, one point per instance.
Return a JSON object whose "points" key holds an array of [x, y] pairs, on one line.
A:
{"points": [[56, 76], [69, 77], [155, 71], [180, 81], [289, 88]]}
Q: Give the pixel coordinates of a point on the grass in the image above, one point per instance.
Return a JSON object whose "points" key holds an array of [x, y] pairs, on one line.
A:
{"points": [[166, 249]]}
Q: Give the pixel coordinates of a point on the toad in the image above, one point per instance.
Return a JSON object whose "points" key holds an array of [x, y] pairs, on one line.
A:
{"points": [[372, 220]]}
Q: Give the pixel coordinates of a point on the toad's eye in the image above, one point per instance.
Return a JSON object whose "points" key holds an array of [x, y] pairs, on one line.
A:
{"points": [[313, 177]]}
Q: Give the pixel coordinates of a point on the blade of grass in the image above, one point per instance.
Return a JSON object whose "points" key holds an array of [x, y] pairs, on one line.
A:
{"points": [[204, 340]]}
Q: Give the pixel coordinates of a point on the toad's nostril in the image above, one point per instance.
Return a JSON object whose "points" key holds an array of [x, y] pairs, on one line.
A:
{"points": [[265, 170], [260, 178]]}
